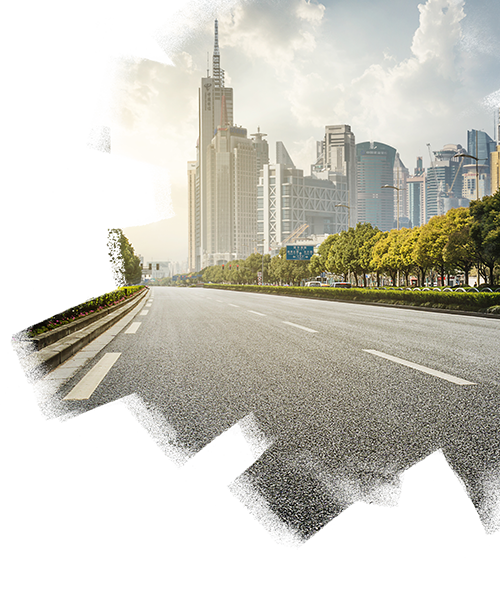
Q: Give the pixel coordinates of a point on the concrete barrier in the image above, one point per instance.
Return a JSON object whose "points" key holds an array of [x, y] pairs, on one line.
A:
{"points": [[37, 362]]}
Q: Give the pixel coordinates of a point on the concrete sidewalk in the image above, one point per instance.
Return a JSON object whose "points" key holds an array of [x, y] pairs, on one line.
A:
{"points": [[38, 363]]}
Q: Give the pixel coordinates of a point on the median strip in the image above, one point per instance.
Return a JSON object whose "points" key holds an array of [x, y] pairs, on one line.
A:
{"points": [[406, 363], [86, 386]]}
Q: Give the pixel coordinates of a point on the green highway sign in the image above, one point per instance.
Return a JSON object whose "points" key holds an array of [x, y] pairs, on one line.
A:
{"points": [[297, 252]]}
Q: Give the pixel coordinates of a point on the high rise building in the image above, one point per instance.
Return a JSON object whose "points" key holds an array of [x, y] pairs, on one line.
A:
{"points": [[480, 145], [336, 161], [262, 150], [231, 197], [288, 201], [375, 168], [192, 214], [415, 191], [495, 170], [97, 141], [215, 109], [401, 208], [443, 184]]}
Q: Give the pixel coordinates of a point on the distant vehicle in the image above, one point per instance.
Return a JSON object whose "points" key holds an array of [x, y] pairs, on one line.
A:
{"points": [[312, 284], [340, 284]]}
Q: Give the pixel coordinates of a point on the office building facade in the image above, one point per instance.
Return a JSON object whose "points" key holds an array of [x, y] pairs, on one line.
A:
{"points": [[231, 196], [375, 168], [443, 185], [288, 201], [336, 161], [215, 103]]}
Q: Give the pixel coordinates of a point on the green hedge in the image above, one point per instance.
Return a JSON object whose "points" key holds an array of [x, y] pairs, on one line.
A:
{"points": [[469, 301], [33, 312]]}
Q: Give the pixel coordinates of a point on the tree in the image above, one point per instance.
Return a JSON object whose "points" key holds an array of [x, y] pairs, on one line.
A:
{"points": [[485, 230], [125, 264], [429, 248], [365, 237], [460, 251]]}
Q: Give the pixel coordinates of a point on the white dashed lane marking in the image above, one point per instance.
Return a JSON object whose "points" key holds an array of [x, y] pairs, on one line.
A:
{"points": [[86, 386], [235, 305], [143, 313], [134, 327], [406, 363], [257, 313], [300, 327]]}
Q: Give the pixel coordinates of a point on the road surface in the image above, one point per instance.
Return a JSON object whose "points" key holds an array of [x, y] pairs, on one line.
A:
{"points": [[337, 400]]}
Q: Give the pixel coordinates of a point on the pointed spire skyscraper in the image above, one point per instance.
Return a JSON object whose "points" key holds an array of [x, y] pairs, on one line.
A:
{"points": [[215, 106]]}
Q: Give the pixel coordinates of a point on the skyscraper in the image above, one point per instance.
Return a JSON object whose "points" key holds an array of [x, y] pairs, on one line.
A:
{"points": [[97, 140], [215, 109], [336, 161], [495, 170], [375, 168], [443, 184], [480, 145]]}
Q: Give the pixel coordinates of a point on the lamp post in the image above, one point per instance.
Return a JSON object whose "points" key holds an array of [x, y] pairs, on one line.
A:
{"points": [[397, 215], [460, 155]]}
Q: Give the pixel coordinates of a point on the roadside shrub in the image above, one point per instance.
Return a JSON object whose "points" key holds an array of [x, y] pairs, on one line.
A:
{"points": [[447, 300], [37, 311]]}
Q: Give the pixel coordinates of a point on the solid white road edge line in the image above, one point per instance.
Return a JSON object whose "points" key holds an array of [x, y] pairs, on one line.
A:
{"points": [[134, 327], [300, 327], [406, 363], [86, 386]]}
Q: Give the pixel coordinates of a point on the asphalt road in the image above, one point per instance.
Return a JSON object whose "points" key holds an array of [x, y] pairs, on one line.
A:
{"points": [[331, 414]]}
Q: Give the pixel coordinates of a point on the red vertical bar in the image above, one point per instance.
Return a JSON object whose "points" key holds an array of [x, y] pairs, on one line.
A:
{"points": [[5, 278]]}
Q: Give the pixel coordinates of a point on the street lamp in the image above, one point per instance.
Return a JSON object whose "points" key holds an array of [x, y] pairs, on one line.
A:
{"points": [[398, 189], [459, 155]]}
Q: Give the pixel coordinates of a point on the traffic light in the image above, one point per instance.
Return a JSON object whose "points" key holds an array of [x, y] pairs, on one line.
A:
{"points": [[223, 267], [230, 266]]}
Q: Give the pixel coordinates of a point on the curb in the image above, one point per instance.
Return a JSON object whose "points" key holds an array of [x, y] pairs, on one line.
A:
{"points": [[37, 363], [386, 305], [49, 337]]}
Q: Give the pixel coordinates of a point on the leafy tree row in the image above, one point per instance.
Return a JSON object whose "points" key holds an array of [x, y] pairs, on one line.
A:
{"points": [[55, 221], [461, 239]]}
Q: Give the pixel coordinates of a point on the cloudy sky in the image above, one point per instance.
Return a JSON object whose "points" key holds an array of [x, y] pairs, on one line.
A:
{"points": [[398, 71]]}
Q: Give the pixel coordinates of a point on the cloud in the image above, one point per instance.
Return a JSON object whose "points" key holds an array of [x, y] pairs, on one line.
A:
{"points": [[387, 99], [309, 11]]}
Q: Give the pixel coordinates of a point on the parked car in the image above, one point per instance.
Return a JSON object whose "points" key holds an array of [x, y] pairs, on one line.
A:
{"points": [[340, 284], [312, 284]]}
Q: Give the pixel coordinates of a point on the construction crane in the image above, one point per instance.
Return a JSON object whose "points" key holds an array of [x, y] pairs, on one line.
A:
{"points": [[296, 234]]}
